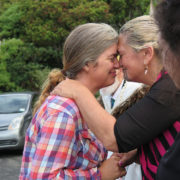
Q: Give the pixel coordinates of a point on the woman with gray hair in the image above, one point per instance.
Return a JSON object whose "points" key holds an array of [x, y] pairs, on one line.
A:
{"points": [[151, 124], [58, 143]]}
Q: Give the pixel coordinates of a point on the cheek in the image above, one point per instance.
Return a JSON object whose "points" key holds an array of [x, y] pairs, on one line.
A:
{"points": [[123, 61], [104, 68], [127, 63], [109, 66], [127, 60]]}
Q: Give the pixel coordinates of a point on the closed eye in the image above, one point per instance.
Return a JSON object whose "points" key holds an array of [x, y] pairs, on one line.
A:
{"points": [[113, 57], [120, 56]]}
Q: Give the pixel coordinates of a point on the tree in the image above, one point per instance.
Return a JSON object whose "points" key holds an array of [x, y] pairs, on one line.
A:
{"points": [[37, 29], [124, 10], [18, 72], [46, 24], [5, 83]]}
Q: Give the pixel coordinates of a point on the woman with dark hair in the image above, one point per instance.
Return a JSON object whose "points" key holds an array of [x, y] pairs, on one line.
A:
{"points": [[167, 15]]}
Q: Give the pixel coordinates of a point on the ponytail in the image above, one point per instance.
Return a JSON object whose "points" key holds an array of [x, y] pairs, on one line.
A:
{"points": [[54, 77]]}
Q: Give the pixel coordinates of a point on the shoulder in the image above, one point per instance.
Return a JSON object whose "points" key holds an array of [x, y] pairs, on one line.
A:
{"points": [[137, 95], [164, 91], [57, 104], [165, 83]]}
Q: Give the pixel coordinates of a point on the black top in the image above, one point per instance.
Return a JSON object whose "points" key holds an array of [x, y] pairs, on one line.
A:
{"points": [[151, 115], [169, 166]]}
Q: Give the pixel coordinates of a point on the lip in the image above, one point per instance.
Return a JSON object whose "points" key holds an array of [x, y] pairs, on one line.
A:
{"points": [[124, 70], [113, 73]]}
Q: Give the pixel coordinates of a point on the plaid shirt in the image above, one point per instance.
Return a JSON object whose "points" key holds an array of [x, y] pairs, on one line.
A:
{"points": [[59, 145]]}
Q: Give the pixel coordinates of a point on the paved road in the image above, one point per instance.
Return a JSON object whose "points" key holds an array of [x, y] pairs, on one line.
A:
{"points": [[10, 162]]}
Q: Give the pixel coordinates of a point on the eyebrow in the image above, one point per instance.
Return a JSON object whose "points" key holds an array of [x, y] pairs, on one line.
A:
{"points": [[120, 52], [115, 54]]}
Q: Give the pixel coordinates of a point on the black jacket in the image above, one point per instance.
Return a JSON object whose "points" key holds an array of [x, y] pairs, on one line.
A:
{"points": [[151, 115], [169, 166]]}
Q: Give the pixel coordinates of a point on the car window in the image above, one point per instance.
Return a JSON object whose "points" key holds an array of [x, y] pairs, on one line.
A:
{"points": [[13, 103]]}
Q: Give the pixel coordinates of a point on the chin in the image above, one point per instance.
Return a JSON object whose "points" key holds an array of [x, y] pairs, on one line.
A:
{"points": [[109, 83], [111, 88], [126, 77]]}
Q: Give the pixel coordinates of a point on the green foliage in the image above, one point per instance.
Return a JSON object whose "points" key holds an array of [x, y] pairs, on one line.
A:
{"points": [[5, 84], [35, 30], [10, 22], [124, 10], [47, 23], [23, 73], [4, 5]]}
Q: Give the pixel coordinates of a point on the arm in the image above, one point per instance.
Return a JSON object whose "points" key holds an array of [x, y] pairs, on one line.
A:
{"points": [[99, 121], [138, 125]]}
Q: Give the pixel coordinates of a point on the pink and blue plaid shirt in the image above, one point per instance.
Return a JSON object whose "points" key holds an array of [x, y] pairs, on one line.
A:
{"points": [[59, 145]]}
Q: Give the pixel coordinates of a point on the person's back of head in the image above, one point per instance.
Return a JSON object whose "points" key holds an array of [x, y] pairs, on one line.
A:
{"points": [[167, 15]]}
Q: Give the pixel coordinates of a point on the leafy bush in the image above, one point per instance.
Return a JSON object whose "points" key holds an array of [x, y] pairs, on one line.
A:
{"points": [[35, 30], [20, 72]]}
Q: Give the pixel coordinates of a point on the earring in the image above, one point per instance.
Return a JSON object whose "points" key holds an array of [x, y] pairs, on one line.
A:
{"points": [[146, 70]]}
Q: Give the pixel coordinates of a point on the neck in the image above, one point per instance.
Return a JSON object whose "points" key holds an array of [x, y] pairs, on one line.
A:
{"points": [[86, 82], [110, 90]]}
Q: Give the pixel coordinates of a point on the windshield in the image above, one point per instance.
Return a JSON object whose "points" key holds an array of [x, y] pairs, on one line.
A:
{"points": [[13, 103]]}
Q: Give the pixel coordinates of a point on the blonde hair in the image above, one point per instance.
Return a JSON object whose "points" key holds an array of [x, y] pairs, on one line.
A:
{"points": [[84, 44], [54, 77], [141, 32]]}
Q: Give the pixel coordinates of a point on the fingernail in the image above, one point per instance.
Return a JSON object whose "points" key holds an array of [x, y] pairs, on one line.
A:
{"points": [[120, 163]]}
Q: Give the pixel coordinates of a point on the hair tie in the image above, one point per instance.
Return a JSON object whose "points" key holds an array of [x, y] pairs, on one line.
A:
{"points": [[63, 72]]}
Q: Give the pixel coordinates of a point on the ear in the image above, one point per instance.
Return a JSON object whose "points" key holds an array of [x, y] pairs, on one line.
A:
{"points": [[87, 67], [148, 54]]}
